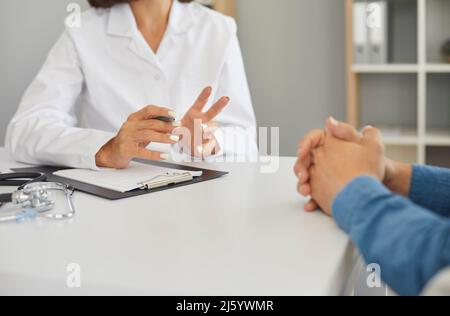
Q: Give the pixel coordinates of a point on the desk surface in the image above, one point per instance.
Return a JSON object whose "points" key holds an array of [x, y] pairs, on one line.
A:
{"points": [[243, 234]]}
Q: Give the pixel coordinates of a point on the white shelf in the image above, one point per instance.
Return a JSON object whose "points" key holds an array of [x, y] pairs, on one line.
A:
{"points": [[385, 69], [437, 68], [409, 137], [399, 68], [438, 138], [432, 18], [399, 136]]}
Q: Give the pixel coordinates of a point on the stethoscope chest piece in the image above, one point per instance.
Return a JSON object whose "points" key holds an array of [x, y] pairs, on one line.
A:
{"points": [[33, 196], [38, 199]]}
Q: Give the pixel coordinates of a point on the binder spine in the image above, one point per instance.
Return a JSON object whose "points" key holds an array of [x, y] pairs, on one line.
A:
{"points": [[377, 23], [360, 33]]}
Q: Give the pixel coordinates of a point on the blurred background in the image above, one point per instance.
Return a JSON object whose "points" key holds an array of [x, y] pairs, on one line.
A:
{"points": [[367, 62]]}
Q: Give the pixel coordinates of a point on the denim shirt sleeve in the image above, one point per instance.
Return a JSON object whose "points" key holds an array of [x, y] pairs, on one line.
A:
{"points": [[430, 188], [410, 243]]}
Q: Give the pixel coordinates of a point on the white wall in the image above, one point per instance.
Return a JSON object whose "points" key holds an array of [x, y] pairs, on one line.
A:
{"points": [[294, 52], [28, 29]]}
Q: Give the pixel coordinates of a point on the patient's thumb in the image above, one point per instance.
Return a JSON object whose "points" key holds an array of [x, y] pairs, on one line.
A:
{"points": [[373, 135], [343, 131]]}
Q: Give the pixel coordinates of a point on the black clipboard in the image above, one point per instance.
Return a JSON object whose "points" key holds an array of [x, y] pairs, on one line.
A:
{"points": [[113, 195]]}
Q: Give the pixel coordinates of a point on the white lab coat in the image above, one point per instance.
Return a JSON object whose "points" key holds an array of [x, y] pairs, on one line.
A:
{"points": [[98, 74]]}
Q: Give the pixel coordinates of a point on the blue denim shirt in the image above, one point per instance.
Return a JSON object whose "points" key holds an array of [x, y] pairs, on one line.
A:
{"points": [[408, 238]]}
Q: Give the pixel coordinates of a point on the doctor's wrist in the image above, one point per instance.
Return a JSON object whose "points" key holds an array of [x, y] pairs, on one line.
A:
{"points": [[106, 157], [101, 157]]}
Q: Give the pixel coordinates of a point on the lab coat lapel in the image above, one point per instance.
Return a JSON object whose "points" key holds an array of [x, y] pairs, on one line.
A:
{"points": [[141, 48], [181, 19], [122, 23]]}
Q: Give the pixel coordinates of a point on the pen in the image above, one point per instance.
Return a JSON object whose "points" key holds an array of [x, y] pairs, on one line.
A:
{"points": [[166, 119]]}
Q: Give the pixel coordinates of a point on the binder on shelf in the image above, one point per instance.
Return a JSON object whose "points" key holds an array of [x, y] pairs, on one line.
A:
{"points": [[377, 24], [360, 34]]}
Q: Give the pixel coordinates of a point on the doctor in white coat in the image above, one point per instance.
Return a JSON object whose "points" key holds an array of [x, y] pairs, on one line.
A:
{"points": [[95, 100]]}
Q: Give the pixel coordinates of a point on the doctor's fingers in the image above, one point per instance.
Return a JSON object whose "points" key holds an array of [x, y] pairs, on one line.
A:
{"points": [[207, 149], [155, 125], [151, 111], [216, 109], [209, 130], [149, 136], [143, 153], [202, 99]]}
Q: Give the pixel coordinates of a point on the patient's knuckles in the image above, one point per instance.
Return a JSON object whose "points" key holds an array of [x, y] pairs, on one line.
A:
{"points": [[297, 167], [378, 148], [312, 137], [299, 188], [312, 173], [318, 155]]}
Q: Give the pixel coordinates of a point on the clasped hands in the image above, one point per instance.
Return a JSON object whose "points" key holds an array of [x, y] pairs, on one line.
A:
{"points": [[330, 159], [194, 133]]}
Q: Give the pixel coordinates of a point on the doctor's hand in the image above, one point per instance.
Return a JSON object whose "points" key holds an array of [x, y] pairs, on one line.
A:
{"points": [[135, 135], [336, 163], [198, 139]]}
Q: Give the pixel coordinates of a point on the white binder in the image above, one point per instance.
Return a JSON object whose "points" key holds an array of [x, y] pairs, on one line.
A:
{"points": [[360, 34], [378, 31]]}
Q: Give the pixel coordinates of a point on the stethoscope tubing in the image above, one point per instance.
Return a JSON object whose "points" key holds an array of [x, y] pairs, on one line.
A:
{"points": [[5, 198], [20, 179]]}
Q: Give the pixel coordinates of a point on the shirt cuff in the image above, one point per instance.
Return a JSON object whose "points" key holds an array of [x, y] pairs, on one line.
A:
{"points": [[97, 140], [419, 174], [355, 198]]}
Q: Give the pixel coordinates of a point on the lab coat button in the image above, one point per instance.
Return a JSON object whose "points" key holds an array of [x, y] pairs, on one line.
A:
{"points": [[157, 77]]}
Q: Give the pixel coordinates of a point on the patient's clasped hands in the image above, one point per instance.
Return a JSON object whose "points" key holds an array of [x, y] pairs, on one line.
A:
{"points": [[330, 159]]}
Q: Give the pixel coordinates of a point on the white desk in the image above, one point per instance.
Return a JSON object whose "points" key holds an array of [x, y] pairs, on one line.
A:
{"points": [[244, 234]]}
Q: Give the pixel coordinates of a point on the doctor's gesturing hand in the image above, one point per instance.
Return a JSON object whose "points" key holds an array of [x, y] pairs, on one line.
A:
{"points": [[135, 135], [198, 138]]}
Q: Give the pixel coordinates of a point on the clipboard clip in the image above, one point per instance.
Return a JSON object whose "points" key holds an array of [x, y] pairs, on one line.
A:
{"points": [[165, 180]]}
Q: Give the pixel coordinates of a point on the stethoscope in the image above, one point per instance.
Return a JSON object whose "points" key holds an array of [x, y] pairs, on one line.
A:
{"points": [[33, 198]]}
